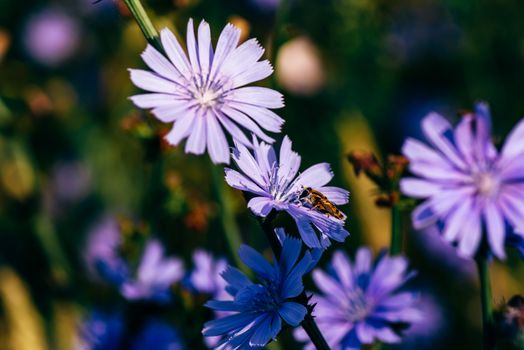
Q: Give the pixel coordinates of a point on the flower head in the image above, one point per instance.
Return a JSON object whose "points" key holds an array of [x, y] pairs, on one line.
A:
{"points": [[205, 278], [101, 331], [107, 331], [362, 302], [155, 275], [468, 185], [52, 36], [101, 253], [276, 186], [157, 335], [206, 93], [259, 308]]}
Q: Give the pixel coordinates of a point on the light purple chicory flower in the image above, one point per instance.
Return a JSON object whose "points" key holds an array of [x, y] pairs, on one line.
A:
{"points": [[51, 36], [206, 278], [468, 185], [275, 184], [155, 275], [206, 93], [361, 301], [101, 253]]}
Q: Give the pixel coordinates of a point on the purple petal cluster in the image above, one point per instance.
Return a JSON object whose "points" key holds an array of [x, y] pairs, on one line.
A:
{"points": [[101, 253], [468, 186], [361, 302], [205, 277], [258, 309], [154, 276], [203, 92], [275, 185]]}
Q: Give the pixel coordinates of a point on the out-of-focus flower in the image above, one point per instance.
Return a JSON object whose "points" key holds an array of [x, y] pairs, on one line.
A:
{"points": [[466, 183], [299, 67], [51, 37], [276, 186], [107, 331], [101, 331], [71, 181], [101, 253], [258, 309], [154, 276], [431, 326], [361, 302], [157, 335], [205, 94], [205, 277]]}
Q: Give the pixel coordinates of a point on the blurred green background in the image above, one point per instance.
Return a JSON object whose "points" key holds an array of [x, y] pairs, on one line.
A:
{"points": [[356, 74]]}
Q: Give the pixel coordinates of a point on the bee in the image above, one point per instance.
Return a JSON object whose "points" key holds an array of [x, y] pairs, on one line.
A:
{"points": [[318, 201]]}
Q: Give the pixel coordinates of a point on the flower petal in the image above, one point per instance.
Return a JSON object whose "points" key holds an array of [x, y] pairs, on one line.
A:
{"points": [[260, 206], [176, 54], [196, 143], [292, 313], [495, 230], [216, 141]]}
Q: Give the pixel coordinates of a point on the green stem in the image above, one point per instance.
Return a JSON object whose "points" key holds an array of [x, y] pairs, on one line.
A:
{"points": [[308, 324], [227, 215], [145, 24], [485, 300], [396, 231], [46, 233]]}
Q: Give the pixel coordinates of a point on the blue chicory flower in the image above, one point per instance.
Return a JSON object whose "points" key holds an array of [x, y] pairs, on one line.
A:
{"points": [[468, 185], [258, 309], [206, 93], [154, 277], [157, 335], [276, 185], [362, 302], [107, 331], [101, 331], [101, 252]]}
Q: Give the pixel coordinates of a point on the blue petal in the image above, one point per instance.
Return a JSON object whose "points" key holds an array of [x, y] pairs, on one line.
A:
{"points": [[307, 233], [256, 261], [290, 252], [222, 305], [236, 280], [266, 330], [227, 324], [292, 313], [292, 285], [246, 295]]}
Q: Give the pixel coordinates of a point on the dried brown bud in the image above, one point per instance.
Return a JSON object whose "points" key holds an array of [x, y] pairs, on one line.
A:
{"points": [[365, 161], [396, 165], [515, 311]]}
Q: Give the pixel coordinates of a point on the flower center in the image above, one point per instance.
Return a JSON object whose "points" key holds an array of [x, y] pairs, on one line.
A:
{"points": [[358, 307], [267, 298], [207, 98], [487, 185]]}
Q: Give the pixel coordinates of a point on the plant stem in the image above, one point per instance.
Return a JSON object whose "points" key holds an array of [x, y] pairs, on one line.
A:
{"points": [[279, 33], [396, 231], [485, 300], [145, 24], [308, 324], [227, 216]]}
